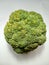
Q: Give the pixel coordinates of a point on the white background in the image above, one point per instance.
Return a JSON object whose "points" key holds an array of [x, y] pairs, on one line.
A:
{"points": [[40, 56]]}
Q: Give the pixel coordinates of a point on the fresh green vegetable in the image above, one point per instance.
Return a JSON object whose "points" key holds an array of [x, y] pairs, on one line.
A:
{"points": [[25, 31]]}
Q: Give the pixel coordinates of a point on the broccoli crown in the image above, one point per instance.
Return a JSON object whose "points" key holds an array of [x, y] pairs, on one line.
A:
{"points": [[25, 31]]}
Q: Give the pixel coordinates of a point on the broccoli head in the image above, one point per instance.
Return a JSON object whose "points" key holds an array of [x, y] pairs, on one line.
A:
{"points": [[25, 31]]}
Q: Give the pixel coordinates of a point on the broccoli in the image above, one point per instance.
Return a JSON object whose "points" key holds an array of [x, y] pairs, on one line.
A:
{"points": [[25, 31]]}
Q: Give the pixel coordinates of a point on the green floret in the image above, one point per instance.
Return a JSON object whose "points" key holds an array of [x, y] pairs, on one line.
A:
{"points": [[25, 31]]}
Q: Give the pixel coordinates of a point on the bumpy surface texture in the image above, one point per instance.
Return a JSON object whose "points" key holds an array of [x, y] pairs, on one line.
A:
{"points": [[25, 31]]}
